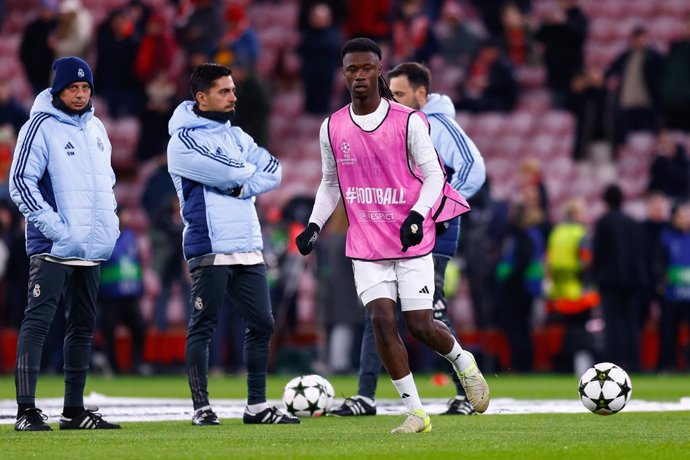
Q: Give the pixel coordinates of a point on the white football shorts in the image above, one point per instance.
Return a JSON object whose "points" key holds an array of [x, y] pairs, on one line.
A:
{"points": [[410, 279]]}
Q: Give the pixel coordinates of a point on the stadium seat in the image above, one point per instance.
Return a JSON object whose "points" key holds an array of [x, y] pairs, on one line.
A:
{"points": [[556, 123]]}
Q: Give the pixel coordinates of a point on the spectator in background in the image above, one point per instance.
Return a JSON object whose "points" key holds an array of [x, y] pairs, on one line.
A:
{"points": [[319, 49], [371, 19], [239, 40], [457, 41], [483, 232], [675, 90], [199, 27], [12, 117], [139, 13], [490, 12], [159, 201], [655, 222], [670, 169], [35, 52], [520, 274], [619, 273], [587, 101], [638, 71], [563, 34], [156, 50], [12, 113], [530, 175], [74, 30], [413, 34], [490, 84], [341, 310], [253, 105], [160, 103], [518, 40], [673, 272], [571, 299], [116, 54], [339, 11], [120, 292]]}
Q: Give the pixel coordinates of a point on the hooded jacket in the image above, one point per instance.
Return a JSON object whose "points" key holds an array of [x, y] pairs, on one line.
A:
{"points": [[62, 181], [461, 158], [207, 160]]}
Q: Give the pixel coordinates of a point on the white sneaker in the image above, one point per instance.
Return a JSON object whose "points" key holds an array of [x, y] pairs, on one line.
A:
{"points": [[416, 422], [475, 386]]}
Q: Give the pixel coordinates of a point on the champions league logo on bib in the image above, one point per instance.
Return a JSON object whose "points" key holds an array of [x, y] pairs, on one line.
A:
{"points": [[348, 159]]}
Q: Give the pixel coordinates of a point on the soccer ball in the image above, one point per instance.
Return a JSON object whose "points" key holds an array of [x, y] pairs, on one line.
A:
{"points": [[308, 395], [605, 388]]}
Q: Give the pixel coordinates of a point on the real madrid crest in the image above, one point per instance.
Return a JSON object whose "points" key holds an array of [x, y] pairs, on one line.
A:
{"points": [[198, 304], [37, 290], [80, 72], [99, 144]]}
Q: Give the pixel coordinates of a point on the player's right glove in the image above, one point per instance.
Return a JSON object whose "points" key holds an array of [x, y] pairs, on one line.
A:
{"points": [[305, 240], [411, 232]]}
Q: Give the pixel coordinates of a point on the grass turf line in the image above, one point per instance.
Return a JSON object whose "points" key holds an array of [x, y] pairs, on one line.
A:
{"points": [[543, 436]]}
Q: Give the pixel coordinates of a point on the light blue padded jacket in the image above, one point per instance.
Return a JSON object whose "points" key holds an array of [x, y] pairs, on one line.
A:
{"points": [[207, 160], [62, 181]]}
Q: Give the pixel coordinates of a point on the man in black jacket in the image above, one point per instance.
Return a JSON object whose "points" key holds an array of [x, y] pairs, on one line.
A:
{"points": [[619, 272]]}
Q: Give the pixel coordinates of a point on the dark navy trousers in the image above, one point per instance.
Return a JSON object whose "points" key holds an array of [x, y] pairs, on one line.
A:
{"points": [[248, 287], [48, 281]]}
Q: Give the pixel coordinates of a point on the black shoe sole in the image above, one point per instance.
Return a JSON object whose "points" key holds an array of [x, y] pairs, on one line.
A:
{"points": [[36, 428]]}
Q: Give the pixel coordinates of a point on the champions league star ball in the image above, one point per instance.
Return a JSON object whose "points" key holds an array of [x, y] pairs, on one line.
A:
{"points": [[308, 395], [605, 388]]}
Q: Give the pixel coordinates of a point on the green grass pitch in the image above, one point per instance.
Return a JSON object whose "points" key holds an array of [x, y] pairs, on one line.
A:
{"points": [[652, 435]]}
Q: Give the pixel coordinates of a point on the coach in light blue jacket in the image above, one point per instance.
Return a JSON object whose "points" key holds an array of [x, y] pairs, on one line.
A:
{"points": [[217, 170], [62, 181]]}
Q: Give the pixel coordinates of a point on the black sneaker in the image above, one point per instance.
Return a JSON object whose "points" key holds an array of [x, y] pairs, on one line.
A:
{"points": [[32, 419], [459, 405], [204, 416], [272, 415], [354, 406], [87, 420]]}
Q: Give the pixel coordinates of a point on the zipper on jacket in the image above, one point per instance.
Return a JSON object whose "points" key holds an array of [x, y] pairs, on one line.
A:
{"points": [[89, 250]]}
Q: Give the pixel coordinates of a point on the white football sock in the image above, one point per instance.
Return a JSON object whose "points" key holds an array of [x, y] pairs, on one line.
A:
{"points": [[408, 393], [460, 361], [256, 408]]}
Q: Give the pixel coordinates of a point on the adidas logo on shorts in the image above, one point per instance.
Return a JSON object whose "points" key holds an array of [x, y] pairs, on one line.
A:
{"points": [[424, 290]]}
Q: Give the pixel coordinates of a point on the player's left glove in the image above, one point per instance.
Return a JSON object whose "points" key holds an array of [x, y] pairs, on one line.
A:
{"points": [[305, 240], [236, 191], [411, 232]]}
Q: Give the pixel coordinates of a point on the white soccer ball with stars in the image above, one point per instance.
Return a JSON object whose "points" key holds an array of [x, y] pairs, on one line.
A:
{"points": [[308, 395], [605, 388]]}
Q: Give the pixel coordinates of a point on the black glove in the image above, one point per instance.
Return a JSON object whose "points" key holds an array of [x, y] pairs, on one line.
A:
{"points": [[411, 232], [305, 240], [236, 191]]}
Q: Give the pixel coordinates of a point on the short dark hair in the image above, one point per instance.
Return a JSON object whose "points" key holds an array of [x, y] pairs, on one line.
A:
{"points": [[417, 74], [360, 44], [204, 75], [613, 196]]}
